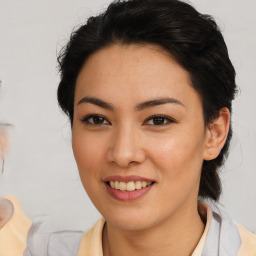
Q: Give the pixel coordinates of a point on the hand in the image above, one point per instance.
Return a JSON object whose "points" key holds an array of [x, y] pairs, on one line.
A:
{"points": [[6, 211]]}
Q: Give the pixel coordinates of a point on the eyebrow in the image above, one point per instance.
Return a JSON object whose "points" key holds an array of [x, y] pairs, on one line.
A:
{"points": [[139, 107]]}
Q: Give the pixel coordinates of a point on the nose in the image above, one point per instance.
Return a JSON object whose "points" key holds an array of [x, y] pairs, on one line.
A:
{"points": [[126, 148]]}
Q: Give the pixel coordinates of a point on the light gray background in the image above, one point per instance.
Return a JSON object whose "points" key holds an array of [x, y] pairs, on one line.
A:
{"points": [[40, 169]]}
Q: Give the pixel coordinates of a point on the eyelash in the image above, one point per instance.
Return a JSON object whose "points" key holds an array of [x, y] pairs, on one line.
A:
{"points": [[87, 118]]}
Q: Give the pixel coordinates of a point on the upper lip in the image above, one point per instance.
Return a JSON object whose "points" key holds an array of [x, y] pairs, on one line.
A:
{"points": [[126, 178]]}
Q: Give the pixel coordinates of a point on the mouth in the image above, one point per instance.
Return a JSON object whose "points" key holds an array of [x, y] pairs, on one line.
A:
{"points": [[128, 188]]}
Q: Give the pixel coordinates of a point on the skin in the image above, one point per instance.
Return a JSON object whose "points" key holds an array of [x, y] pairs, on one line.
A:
{"points": [[6, 211], [166, 220]]}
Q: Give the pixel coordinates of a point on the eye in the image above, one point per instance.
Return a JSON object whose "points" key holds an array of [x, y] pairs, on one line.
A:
{"points": [[159, 120], [94, 120]]}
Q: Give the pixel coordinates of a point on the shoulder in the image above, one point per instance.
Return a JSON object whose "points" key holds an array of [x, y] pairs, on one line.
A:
{"points": [[91, 242], [248, 242], [233, 238]]}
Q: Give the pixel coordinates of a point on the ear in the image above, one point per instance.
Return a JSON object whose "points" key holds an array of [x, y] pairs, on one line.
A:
{"points": [[216, 134]]}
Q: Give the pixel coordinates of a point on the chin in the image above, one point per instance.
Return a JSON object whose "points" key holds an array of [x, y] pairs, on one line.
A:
{"points": [[130, 224], [131, 219]]}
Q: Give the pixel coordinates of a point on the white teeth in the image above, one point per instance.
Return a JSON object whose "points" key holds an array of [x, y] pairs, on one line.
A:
{"points": [[130, 186], [143, 184], [117, 185], [112, 184], [122, 186], [138, 184]]}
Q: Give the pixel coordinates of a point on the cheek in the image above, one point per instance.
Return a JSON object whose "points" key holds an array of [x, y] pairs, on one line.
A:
{"points": [[88, 153], [178, 162], [178, 155]]}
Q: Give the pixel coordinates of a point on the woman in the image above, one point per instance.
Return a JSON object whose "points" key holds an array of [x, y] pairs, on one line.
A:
{"points": [[14, 224], [148, 87]]}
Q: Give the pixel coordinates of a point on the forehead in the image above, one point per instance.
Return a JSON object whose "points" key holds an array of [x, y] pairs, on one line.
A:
{"points": [[133, 71]]}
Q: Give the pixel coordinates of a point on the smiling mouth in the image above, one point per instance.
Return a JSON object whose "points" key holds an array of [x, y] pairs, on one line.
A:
{"points": [[129, 186]]}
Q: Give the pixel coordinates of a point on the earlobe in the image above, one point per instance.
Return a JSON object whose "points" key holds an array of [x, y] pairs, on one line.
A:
{"points": [[216, 134]]}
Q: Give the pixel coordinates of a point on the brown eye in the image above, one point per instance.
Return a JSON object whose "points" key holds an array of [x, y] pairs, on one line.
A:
{"points": [[159, 120], [98, 120], [95, 120]]}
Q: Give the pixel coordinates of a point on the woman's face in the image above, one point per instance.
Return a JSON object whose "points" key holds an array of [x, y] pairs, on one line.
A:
{"points": [[137, 118]]}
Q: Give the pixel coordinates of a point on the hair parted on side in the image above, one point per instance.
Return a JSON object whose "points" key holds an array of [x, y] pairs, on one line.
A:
{"points": [[192, 38]]}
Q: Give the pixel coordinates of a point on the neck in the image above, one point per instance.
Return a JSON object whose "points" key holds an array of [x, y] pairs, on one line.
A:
{"points": [[178, 235], [6, 211]]}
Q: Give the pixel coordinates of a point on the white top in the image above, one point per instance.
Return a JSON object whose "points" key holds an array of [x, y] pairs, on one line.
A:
{"points": [[221, 237]]}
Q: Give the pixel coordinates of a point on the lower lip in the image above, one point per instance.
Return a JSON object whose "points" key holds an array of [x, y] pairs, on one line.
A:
{"points": [[128, 195]]}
